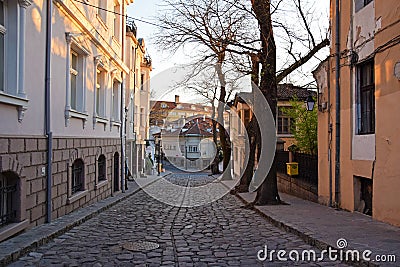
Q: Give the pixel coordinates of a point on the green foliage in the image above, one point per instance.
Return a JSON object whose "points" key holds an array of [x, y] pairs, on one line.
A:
{"points": [[304, 127]]}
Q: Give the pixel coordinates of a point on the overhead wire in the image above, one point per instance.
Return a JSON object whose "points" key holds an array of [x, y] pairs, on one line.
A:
{"points": [[116, 13]]}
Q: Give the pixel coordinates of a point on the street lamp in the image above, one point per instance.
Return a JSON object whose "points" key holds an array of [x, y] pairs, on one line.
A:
{"points": [[310, 102]]}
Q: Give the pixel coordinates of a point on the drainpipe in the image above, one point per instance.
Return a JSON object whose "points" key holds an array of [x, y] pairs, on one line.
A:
{"points": [[329, 135], [49, 133], [123, 115], [337, 81]]}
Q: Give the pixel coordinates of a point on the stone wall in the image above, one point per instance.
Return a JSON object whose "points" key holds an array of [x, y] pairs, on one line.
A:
{"points": [[296, 187], [27, 157]]}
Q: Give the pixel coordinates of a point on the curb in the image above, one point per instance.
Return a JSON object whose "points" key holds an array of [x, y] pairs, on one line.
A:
{"points": [[307, 237], [14, 248]]}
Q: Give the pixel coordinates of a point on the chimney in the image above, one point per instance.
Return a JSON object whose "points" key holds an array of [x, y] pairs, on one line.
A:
{"points": [[176, 99]]}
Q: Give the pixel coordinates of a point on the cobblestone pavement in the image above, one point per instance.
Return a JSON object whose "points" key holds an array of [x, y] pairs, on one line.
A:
{"points": [[218, 234]]}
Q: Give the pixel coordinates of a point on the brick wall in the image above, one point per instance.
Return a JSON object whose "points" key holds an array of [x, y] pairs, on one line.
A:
{"points": [[30, 156]]}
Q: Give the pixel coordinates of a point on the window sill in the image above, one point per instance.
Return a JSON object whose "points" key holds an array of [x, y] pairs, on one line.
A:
{"points": [[116, 41], [70, 113], [100, 184], [115, 123], [20, 102], [76, 197], [99, 119], [78, 114], [12, 229], [101, 21]]}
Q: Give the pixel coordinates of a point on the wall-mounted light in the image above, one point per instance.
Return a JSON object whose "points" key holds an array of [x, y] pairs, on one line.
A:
{"points": [[310, 102]]}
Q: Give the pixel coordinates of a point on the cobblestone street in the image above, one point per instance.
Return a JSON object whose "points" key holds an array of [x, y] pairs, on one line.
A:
{"points": [[218, 234]]}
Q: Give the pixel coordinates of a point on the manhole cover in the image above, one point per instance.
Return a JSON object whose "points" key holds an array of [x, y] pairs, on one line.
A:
{"points": [[140, 246]]}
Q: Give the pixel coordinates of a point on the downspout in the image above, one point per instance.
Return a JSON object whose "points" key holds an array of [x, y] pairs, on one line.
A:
{"points": [[329, 134], [337, 128], [123, 115], [49, 133]]}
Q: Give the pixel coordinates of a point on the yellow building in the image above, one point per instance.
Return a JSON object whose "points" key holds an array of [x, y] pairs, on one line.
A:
{"points": [[359, 165]]}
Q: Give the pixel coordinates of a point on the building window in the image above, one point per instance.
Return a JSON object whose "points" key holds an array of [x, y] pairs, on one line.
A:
{"points": [[2, 33], [76, 70], [117, 21], [102, 10], [8, 195], [142, 82], [78, 176], [116, 101], [359, 4], [101, 168], [74, 78], [193, 149], [12, 61], [284, 123], [100, 92], [142, 117], [366, 98]]}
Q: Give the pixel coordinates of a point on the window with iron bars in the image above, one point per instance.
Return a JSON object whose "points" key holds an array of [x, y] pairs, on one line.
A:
{"points": [[78, 176], [101, 167], [8, 191]]}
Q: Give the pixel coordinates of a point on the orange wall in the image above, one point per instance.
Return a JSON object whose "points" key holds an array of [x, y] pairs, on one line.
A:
{"points": [[385, 171]]}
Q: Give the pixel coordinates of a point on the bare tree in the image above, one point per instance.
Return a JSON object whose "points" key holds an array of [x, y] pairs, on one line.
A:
{"points": [[223, 33], [211, 26]]}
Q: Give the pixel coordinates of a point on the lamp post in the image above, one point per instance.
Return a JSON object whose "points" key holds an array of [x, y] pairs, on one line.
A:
{"points": [[310, 102]]}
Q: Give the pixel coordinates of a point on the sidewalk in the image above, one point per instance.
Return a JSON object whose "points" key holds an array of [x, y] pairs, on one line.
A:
{"points": [[12, 249], [322, 226]]}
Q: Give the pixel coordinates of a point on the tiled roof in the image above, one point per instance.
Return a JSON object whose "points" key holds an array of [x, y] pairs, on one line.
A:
{"points": [[288, 91], [157, 105], [195, 130]]}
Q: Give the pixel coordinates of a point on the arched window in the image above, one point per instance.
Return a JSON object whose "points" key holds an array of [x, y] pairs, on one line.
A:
{"points": [[8, 197], [101, 168], [78, 176]]}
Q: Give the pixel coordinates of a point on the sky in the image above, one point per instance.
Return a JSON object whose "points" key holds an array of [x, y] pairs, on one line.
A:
{"points": [[166, 65]]}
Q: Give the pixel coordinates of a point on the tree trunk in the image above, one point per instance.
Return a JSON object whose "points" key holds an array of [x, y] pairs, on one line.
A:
{"points": [[252, 128], [223, 136], [214, 164], [267, 193]]}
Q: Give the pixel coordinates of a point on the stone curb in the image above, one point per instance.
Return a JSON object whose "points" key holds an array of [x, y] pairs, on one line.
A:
{"points": [[306, 236], [14, 248]]}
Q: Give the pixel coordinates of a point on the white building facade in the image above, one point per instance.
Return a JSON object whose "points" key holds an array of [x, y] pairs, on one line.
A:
{"points": [[64, 97]]}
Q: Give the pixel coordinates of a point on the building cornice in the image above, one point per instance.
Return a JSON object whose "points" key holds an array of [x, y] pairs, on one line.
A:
{"points": [[25, 3]]}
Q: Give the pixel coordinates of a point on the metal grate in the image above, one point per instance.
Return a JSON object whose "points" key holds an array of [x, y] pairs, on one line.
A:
{"points": [[77, 176], [140, 246], [7, 213]]}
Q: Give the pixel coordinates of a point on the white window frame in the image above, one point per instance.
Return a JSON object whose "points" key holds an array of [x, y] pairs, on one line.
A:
{"points": [[116, 102], [117, 21], [100, 86], [12, 91], [78, 112]]}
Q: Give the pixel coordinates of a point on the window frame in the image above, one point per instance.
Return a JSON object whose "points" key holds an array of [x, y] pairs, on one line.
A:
{"points": [[9, 192], [77, 188], [12, 89], [360, 4], [3, 31], [101, 168], [365, 93], [116, 101], [79, 111], [281, 118]]}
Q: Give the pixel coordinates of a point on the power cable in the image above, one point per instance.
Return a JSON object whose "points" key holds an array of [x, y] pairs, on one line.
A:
{"points": [[116, 13]]}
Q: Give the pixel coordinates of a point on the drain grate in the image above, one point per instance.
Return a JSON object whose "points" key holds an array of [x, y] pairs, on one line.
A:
{"points": [[140, 246]]}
